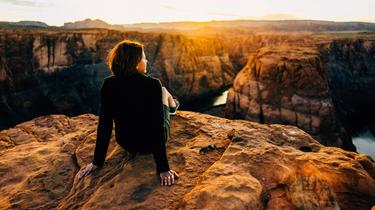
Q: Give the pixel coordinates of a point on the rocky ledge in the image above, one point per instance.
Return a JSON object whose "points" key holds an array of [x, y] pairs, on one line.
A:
{"points": [[253, 166]]}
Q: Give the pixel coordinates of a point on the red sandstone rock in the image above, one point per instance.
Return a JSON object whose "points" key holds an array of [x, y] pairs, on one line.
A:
{"points": [[254, 166], [241, 47], [349, 65], [199, 64], [286, 85]]}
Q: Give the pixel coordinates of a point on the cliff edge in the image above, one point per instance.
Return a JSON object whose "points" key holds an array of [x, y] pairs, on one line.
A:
{"points": [[253, 166]]}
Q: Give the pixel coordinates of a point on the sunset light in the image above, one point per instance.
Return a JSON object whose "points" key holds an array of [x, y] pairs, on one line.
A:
{"points": [[187, 104], [127, 12]]}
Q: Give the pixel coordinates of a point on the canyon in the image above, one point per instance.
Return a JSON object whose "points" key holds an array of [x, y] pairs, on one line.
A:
{"points": [[322, 83], [324, 86], [253, 166], [320, 86], [45, 72]]}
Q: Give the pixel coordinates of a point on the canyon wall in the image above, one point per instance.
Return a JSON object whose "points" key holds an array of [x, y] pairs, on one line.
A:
{"points": [[241, 47], [287, 85], [253, 166], [350, 64], [323, 85], [61, 71]]}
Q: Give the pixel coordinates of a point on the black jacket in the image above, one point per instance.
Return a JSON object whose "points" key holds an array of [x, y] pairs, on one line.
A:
{"points": [[135, 103]]}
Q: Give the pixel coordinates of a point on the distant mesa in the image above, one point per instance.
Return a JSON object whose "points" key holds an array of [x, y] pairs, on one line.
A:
{"points": [[88, 23], [277, 25], [258, 25], [27, 23]]}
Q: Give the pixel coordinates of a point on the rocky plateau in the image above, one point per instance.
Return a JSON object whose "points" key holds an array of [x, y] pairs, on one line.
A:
{"points": [[253, 166]]}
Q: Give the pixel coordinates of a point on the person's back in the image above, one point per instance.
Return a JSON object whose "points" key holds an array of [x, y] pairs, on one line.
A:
{"points": [[139, 106], [132, 101]]}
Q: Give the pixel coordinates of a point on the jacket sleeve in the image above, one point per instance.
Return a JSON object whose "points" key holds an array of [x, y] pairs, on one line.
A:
{"points": [[105, 125], [156, 125]]}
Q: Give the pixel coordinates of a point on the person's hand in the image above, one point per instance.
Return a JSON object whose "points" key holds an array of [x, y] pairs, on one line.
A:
{"points": [[86, 170], [167, 178]]}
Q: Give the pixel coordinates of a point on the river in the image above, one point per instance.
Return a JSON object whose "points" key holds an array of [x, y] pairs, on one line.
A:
{"points": [[203, 105], [221, 99], [365, 143]]}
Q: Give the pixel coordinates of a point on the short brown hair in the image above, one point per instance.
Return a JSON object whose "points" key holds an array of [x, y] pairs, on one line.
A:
{"points": [[124, 58]]}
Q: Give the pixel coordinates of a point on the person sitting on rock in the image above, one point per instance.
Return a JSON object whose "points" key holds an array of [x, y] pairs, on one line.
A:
{"points": [[140, 107]]}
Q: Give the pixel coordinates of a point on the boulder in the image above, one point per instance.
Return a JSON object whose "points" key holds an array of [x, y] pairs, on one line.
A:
{"points": [[253, 166]]}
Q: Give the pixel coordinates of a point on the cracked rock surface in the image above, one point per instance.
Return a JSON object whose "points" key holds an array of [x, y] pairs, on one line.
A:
{"points": [[253, 166]]}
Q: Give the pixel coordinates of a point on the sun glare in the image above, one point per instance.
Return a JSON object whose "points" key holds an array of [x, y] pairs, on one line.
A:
{"points": [[125, 12]]}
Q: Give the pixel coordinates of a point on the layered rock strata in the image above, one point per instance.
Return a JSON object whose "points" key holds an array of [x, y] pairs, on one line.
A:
{"points": [[253, 166], [287, 85], [348, 65], [48, 72], [240, 47]]}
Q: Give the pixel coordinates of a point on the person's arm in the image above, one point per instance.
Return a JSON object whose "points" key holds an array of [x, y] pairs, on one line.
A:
{"points": [[105, 124], [156, 124], [104, 131]]}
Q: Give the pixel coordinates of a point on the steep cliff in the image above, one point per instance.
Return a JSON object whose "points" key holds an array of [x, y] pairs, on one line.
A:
{"points": [[324, 85], [190, 67], [241, 47], [350, 63], [253, 166], [287, 85], [48, 72]]}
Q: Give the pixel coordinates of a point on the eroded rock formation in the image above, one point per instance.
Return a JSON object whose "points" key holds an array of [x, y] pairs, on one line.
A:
{"points": [[61, 71], [254, 166], [287, 85], [240, 47], [321, 85]]}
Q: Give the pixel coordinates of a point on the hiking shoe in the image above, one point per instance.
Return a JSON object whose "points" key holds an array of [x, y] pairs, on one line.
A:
{"points": [[210, 147], [204, 150], [173, 110]]}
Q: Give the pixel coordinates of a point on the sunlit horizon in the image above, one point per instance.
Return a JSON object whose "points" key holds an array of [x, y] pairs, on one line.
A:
{"points": [[57, 13]]}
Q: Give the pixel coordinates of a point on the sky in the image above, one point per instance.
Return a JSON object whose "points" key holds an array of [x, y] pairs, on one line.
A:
{"points": [[57, 12]]}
